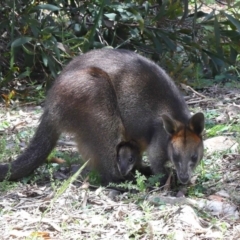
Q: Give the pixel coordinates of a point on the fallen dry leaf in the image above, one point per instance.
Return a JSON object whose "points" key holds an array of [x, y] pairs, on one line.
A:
{"points": [[44, 235], [216, 198]]}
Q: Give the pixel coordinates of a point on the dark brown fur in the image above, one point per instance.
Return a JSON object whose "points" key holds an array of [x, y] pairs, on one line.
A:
{"points": [[153, 113]]}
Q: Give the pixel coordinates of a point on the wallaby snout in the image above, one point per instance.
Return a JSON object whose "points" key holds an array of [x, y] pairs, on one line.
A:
{"points": [[183, 177]]}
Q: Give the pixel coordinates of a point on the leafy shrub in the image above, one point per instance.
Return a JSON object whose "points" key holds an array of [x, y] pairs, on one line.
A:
{"points": [[38, 38]]}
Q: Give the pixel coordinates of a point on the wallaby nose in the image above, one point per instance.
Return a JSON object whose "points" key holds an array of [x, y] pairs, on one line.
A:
{"points": [[184, 178]]}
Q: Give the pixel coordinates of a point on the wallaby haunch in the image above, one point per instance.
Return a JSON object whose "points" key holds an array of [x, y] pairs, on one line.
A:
{"points": [[153, 112]]}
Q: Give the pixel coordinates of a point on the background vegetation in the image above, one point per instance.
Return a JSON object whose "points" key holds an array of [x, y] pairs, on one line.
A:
{"points": [[39, 37]]}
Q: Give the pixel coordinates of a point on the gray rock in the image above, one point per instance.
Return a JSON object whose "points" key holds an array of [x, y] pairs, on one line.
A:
{"points": [[220, 143]]}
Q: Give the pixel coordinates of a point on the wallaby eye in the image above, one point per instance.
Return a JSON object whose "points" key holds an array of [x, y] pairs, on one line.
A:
{"points": [[194, 157], [131, 159]]}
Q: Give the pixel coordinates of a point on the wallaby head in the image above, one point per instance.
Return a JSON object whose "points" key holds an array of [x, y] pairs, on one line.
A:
{"points": [[128, 156], [185, 146]]}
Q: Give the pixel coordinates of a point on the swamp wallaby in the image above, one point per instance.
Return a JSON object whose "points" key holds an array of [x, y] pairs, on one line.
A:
{"points": [[153, 112], [129, 158]]}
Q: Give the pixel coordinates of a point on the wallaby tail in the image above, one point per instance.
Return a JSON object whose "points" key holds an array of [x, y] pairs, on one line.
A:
{"points": [[35, 154]]}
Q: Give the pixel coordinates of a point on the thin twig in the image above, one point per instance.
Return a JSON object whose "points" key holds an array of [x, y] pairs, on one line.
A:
{"points": [[198, 101], [186, 87]]}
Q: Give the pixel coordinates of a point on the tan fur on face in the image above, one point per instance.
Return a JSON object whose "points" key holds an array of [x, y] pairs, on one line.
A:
{"points": [[185, 151], [185, 138]]}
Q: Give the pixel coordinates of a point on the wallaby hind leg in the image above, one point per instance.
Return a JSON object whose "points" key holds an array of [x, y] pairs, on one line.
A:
{"points": [[97, 138], [101, 157]]}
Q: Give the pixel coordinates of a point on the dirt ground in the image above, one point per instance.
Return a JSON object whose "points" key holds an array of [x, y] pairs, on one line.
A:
{"points": [[53, 207]]}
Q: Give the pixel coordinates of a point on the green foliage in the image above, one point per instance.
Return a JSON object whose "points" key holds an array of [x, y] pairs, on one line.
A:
{"points": [[6, 186], [140, 184], [216, 130], [141, 181], [127, 185], [207, 171], [5, 150], [197, 190], [153, 181], [38, 38], [94, 178]]}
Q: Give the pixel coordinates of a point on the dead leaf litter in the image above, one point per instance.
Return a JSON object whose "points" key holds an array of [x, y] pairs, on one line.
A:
{"points": [[33, 210]]}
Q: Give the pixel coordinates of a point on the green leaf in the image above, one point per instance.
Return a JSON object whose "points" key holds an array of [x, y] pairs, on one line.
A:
{"points": [[56, 50], [35, 31], [161, 12], [234, 21], [137, 16], [219, 59], [45, 59], [49, 7], [111, 16], [167, 41], [20, 41], [232, 34], [233, 54], [4, 24], [124, 16], [217, 36], [141, 24], [52, 66], [28, 51], [216, 59], [25, 74], [216, 31], [209, 16], [90, 34], [134, 32], [157, 44], [77, 27]]}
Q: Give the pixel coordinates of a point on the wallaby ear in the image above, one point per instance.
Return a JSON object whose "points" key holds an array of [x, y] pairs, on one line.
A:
{"points": [[119, 146], [169, 124], [122, 133], [196, 123]]}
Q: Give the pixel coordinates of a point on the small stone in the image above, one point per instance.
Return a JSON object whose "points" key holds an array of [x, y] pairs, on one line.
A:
{"points": [[220, 143]]}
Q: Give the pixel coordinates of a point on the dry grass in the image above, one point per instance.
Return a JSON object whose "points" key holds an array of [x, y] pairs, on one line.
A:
{"points": [[37, 210]]}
